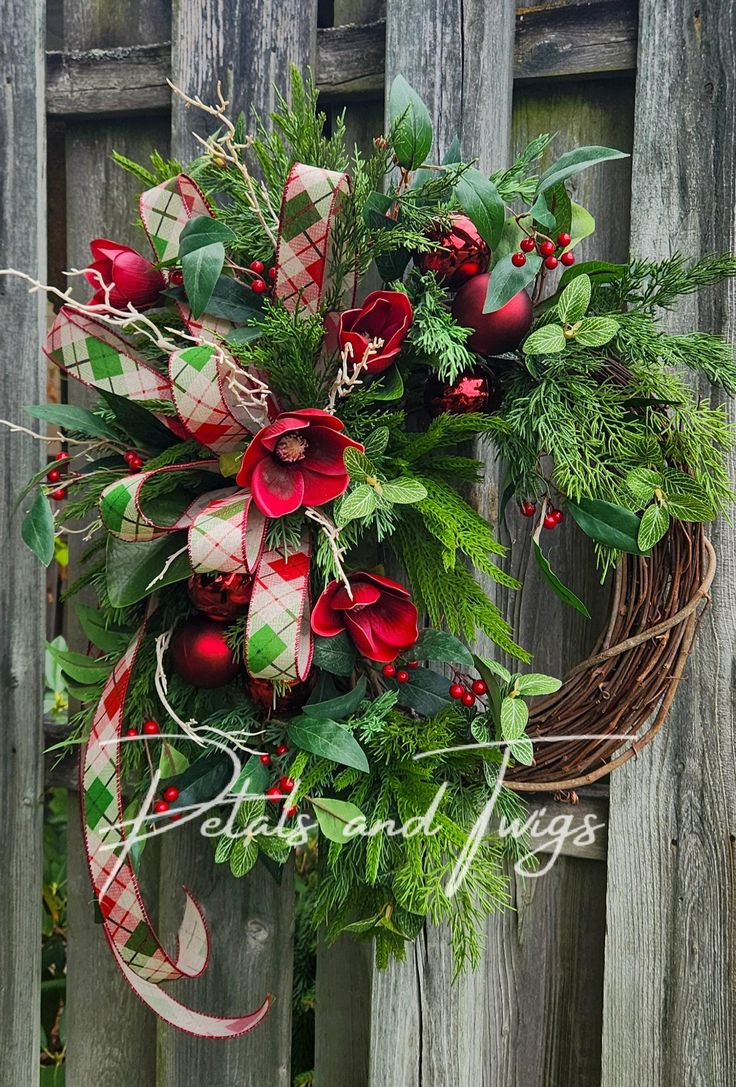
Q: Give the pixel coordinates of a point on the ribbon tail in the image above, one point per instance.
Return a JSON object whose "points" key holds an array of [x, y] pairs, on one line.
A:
{"points": [[278, 637]]}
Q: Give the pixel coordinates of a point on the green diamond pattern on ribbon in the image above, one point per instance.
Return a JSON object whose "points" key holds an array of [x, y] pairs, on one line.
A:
{"points": [[122, 515], [277, 635], [166, 210]]}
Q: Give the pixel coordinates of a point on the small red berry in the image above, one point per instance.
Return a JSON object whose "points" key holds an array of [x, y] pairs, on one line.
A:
{"points": [[479, 687], [518, 260], [257, 266], [412, 664], [171, 793], [527, 508], [258, 286], [402, 676], [175, 816], [291, 812], [271, 273], [551, 263], [563, 239], [468, 699], [176, 277], [136, 462], [389, 670], [131, 732], [457, 690], [62, 456], [286, 784], [53, 476], [526, 245], [546, 248], [59, 496], [150, 728], [282, 749], [550, 520], [265, 758], [160, 807], [568, 259], [273, 793], [558, 516]]}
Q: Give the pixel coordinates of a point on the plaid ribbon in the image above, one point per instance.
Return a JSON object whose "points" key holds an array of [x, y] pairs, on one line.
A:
{"points": [[128, 929], [278, 639], [166, 210]]}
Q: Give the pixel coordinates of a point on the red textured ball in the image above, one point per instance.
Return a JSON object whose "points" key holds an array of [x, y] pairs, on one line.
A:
{"points": [[470, 392], [200, 654], [223, 597], [261, 691], [497, 332], [463, 254]]}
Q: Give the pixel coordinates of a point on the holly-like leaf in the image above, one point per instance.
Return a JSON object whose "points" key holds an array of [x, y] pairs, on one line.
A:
{"points": [[567, 596], [411, 127], [545, 340], [514, 716], [506, 280], [574, 300], [201, 231], [596, 331], [573, 162], [37, 529], [480, 199], [436, 645], [360, 502], [404, 491], [334, 816], [642, 483], [335, 655], [201, 269], [327, 739], [537, 683], [654, 524], [607, 523], [337, 709]]}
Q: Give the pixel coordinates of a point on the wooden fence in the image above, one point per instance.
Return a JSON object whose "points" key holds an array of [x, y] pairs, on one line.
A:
{"points": [[618, 968]]}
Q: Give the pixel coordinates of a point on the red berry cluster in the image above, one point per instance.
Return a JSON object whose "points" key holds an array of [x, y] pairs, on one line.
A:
{"points": [[160, 807], [133, 459], [54, 475], [547, 249], [258, 283], [400, 674], [552, 517], [285, 785], [466, 690]]}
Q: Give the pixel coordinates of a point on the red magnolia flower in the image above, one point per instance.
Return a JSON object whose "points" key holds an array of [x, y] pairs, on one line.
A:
{"points": [[380, 618], [296, 461], [379, 328], [132, 277]]}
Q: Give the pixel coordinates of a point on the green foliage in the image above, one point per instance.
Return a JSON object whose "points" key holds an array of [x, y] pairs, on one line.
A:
{"points": [[286, 353], [434, 335]]}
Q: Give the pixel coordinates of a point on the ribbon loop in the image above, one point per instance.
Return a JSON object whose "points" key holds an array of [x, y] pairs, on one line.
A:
{"points": [[165, 211]]}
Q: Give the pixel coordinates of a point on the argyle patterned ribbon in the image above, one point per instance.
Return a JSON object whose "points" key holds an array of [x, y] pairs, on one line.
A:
{"points": [[128, 930], [166, 210], [278, 639]]}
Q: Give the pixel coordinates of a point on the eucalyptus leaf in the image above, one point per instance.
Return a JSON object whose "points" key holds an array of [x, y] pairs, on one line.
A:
{"points": [[201, 269], [436, 645], [337, 709], [37, 530], [327, 739], [480, 199], [573, 162], [506, 280], [334, 816], [411, 127], [567, 596], [607, 523], [335, 655], [134, 569]]}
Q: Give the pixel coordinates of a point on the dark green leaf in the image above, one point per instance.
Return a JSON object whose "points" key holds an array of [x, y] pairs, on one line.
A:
{"points": [[452, 154], [600, 271], [479, 198], [573, 162], [411, 128], [144, 430], [255, 774], [79, 667], [203, 779], [108, 639], [567, 596], [202, 231], [132, 567], [392, 265], [375, 211], [427, 692], [390, 387], [435, 645], [73, 419], [201, 269], [329, 740], [337, 709], [233, 302], [541, 214], [608, 524], [334, 816], [335, 655], [247, 334], [37, 529], [560, 205], [506, 280]]}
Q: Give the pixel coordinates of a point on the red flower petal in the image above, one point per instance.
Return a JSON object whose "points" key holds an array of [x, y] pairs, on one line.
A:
{"points": [[366, 641], [362, 594], [283, 425], [325, 620], [325, 450], [319, 488], [384, 582], [277, 489], [317, 415], [104, 249]]}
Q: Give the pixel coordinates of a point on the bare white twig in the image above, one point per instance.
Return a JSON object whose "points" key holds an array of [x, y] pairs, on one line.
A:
{"points": [[253, 396], [332, 532], [349, 372], [162, 573]]}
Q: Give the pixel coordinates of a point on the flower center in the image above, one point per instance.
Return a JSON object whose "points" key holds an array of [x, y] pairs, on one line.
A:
{"points": [[291, 448]]}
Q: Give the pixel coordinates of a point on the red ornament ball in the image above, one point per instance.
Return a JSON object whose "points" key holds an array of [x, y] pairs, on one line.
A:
{"points": [[261, 691], [477, 391], [463, 254], [200, 654], [497, 332], [518, 260], [221, 596]]}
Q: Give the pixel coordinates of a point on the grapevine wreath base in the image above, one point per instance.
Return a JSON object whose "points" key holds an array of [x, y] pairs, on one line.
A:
{"points": [[629, 681]]}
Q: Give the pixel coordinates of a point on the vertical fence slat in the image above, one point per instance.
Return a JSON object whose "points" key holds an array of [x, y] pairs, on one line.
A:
{"points": [[22, 381], [112, 1035], [670, 983]]}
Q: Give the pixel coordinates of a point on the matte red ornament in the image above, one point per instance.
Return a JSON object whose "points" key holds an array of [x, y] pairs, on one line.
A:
{"points": [[222, 597], [200, 654], [463, 254], [497, 332], [478, 391]]}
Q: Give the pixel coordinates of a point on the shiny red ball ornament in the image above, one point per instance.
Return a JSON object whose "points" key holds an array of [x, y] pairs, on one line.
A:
{"points": [[497, 332], [477, 391], [171, 793], [261, 691], [546, 248], [222, 597], [200, 654], [461, 254], [568, 259], [518, 260]]}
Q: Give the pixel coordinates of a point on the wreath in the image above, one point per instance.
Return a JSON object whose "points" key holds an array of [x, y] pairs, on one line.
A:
{"points": [[274, 491]]}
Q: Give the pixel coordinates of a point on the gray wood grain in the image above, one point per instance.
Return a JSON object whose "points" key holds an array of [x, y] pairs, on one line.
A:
{"points": [[247, 44], [22, 381], [343, 1014], [670, 985], [102, 82]]}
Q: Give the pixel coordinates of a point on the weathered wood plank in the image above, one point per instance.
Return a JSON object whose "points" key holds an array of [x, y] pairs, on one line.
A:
{"points": [[22, 381], [670, 983], [571, 39]]}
